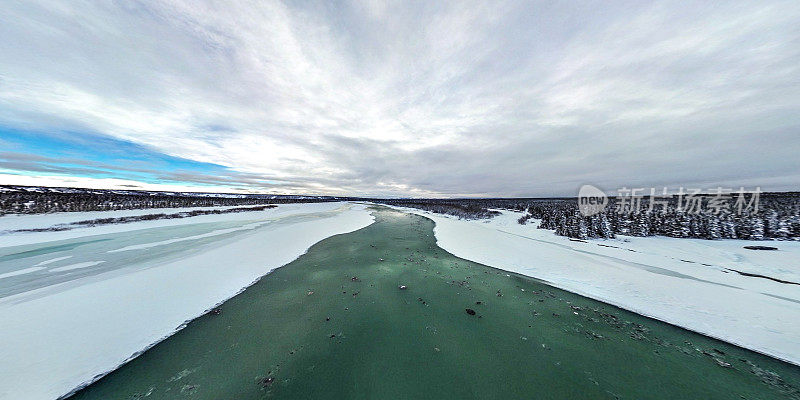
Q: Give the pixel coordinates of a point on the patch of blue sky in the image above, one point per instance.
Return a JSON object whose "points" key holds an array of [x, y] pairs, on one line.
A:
{"points": [[97, 156]]}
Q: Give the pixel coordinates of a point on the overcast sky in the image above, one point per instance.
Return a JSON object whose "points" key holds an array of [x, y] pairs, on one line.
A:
{"points": [[401, 98]]}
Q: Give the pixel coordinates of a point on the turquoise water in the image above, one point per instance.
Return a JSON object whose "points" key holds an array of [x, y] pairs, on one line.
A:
{"points": [[334, 324]]}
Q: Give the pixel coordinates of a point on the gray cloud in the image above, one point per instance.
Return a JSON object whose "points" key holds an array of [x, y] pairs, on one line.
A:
{"points": [[414, 98]]}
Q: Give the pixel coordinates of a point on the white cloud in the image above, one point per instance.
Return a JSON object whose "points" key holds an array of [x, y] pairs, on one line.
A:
{"points": [[103, 183], [397, 97]]}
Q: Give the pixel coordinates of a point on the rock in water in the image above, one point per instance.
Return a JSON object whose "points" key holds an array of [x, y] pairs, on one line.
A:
{"points": [[470, 311], [266, 382], [723, 364]]}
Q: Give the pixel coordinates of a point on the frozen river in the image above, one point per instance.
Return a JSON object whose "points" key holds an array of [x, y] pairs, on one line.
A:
{"points": [[54, 265]]}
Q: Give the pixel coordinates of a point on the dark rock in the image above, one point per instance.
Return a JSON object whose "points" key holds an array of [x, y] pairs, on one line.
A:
{"points": [[760, 248], [216, 311], [478, 302], [470, 311]]}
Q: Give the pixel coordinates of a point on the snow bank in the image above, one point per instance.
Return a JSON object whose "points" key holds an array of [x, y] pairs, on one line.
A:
{"points": [[686, 282], [53, 341]]}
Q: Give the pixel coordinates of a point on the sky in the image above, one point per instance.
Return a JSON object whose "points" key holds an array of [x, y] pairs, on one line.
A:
{"points": [[406, 98]]}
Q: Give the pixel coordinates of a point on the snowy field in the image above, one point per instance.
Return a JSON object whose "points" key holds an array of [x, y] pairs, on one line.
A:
{"points": [[686, 282], [76, 304]]}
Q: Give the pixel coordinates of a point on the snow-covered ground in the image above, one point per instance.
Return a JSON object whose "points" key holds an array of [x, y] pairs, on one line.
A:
{"points": [[11, 222], [686, 282], [76, 304]]}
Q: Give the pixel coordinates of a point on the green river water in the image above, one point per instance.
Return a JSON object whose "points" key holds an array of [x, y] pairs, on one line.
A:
{"points": [[309, 330]]}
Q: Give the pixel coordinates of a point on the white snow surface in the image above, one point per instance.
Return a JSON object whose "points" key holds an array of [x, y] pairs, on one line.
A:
{"points": [[21, 272], [52, 260], [70, 267], [35, 221], [685, 282], [39, 221], [58, 337]]}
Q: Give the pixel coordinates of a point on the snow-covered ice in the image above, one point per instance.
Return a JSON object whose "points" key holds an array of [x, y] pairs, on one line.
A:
{"points": [[21, 272], [79, 265], [69, 316], [39, 221], [686, 282], [52, 260], [183, 239]]}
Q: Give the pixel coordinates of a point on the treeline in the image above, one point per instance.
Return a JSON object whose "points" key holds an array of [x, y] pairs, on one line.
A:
{"points": [[777, 217], [463, 209], [35, 200]]}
